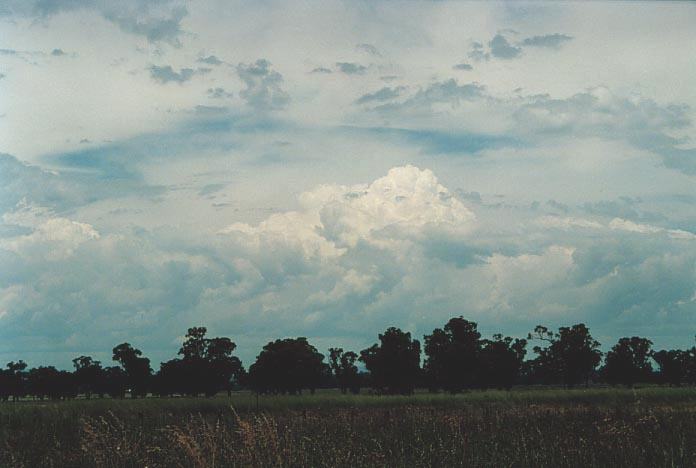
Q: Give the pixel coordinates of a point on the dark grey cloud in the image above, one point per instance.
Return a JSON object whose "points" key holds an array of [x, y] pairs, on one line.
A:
{"points": [[58, 52], [62, 191], [369, 48], [350, 68], [321, 70], [501, 48], [596, 112], [463, 66], [166, 74], [548, 40], [263, 89], [210, 189], [448, 91], [158, 20], [478, 53], [210, 60], [384, 94], [219, 93]]}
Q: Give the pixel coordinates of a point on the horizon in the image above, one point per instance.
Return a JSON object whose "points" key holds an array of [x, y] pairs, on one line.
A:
{"points": [[331, 169]]}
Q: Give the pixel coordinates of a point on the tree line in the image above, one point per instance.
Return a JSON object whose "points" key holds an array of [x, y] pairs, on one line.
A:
{"points": [[457, 359]]}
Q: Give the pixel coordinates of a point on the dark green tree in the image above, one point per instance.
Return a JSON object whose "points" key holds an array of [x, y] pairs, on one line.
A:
{"points": [[88, 375], [569, 357], [137, 368], [344, 369], [394, 363], [674, 365], [501, 361], [453, 356], [628, 362], [288, 366]]}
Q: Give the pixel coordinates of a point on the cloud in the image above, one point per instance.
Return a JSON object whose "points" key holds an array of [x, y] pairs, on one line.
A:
{"points": [[477, 52], [263, 89], [384, 94], [501, 48], [463, 66], [401, 250], [369, 48], [218, 93], [321, 70], [350, 68], [548, 40], [448, 92], [57, 52], [157, 21], [166, 74], [210, 60], [600, 113]]}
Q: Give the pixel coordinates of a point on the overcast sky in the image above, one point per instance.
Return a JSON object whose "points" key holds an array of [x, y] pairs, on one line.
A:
{"points": [[328, 169]]}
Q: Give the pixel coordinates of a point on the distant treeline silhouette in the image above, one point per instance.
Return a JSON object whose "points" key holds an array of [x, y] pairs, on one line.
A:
{"points": [[456, 359]]}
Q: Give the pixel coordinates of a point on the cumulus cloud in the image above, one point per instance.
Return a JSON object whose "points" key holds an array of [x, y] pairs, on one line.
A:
{"points": [[501, 48], [350, 68], [166, 74], [548, 40], [448, 92], [400, 205], [463, 66], [157, 21], [401, 250], [322, 70], [383, 94], [263, 86], [369, 48], [219, 93], [210, 60]]}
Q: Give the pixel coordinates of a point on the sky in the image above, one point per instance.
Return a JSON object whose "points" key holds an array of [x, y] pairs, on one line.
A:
{"points": [[329, 169]]}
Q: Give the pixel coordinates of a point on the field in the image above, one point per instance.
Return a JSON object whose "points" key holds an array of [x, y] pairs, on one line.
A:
{"points": [[535, 427]]}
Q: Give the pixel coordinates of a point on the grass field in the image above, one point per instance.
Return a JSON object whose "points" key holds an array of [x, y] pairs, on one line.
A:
{"points": [[534, 427]]}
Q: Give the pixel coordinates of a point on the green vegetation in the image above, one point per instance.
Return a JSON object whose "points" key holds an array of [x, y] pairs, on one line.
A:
{"points": [[651, 426]]}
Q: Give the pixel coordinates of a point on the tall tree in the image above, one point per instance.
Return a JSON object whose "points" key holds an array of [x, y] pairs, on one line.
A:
{"points": [[288, 366], [453, 355], [570, 356], [88, 375], [13, 380], [207, 366], [344, 369], [674, 365], [501, 361], [394, 364], [137, 368], [628, 362]]}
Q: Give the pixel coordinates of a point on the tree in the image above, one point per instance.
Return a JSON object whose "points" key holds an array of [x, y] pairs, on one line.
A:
{"points": [[628, 362], [137, 368], [501, 361], [207, 366], [114, 383], [344, 369], [13, 380], [394, 364], [88, 375], [288, 366], [674, 365], [453, 355], [570, 356]]}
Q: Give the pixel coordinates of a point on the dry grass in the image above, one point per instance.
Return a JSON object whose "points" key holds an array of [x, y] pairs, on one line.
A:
{"points": [[547, 433]]}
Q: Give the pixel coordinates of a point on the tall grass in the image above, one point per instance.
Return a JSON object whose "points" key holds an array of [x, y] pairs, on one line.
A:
{"points": [[540, 428]]}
